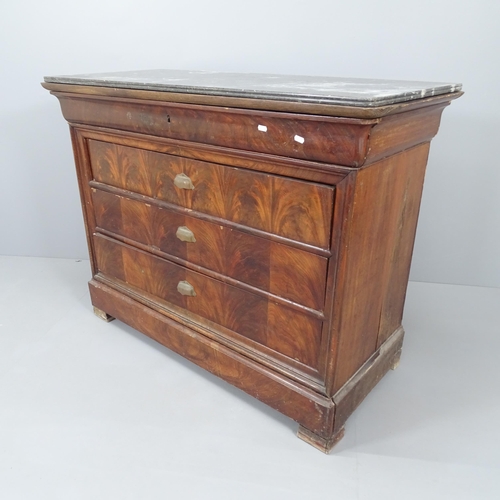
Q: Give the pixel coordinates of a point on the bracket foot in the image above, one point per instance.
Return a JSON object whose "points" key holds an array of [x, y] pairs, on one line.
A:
{"points": [[320, 443], [101, 314]]}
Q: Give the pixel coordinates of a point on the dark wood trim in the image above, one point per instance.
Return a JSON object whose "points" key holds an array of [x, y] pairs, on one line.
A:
{"points": [[355, 390], [352, 393], [321, 173], [339, 240], [403, 131], [245, 103], [344, 120], [84, 176], [320, 443], [344, 141]]}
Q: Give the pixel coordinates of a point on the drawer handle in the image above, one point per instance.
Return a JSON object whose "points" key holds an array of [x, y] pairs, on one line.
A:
{"points": [[185, 288], [182, 181], [185, 234]]}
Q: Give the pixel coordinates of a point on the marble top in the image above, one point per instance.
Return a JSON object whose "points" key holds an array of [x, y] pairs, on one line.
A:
{"points": [[310, 89]]}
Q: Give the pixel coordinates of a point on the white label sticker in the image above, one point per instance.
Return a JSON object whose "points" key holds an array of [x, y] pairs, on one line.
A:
{"points": [[262, 128], [300, 139]]}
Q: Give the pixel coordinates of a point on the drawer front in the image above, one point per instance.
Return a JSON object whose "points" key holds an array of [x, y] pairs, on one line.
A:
{"points": [[297, 210], [342, 141], [274, 267], [277, 327]]}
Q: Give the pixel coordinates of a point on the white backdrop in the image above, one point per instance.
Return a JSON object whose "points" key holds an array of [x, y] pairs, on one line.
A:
{"points": [[458, 239]]}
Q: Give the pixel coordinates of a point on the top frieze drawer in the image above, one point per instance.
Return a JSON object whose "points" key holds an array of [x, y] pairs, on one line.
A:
{"points": [[341, 141]]}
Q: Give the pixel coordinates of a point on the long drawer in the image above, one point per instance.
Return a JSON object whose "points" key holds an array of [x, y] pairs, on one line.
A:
{"points": [[282, 270], [293, 209], [341, 141], [284, 330]]}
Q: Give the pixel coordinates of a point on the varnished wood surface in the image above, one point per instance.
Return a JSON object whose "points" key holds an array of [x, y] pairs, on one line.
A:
{"points": [[342, 140], [85, 176], [213, 274], [280, 363], [209, 218], [352, 393], [319, 442], [333, 304], [407, 172], [403, 131], [280, 269], [263, 104], [322, 173], [298, 210], [289, 332], [368, 288]]}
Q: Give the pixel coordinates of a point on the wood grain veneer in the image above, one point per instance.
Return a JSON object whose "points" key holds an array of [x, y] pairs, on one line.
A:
{"points": [[289, 208], [281, 269]]}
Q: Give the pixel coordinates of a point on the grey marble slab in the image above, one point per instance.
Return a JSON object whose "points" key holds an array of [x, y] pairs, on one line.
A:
{"points": [[311, 89]]}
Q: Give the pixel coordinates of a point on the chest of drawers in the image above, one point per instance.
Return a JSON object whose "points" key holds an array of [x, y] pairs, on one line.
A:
{"points": [[260, 226]]}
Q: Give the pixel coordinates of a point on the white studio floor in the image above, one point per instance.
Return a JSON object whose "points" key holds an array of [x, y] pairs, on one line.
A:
{"points": [[91, 410]]}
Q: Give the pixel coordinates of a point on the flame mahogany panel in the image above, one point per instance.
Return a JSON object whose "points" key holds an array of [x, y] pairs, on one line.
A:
{"points": [[277, 268], [280, 328], [294, 209]]}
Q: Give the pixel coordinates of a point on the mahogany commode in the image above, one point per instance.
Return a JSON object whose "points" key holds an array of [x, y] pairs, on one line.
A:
{"points": [[261, 226]]}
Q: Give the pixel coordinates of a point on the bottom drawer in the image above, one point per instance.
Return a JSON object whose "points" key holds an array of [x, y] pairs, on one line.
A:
{"points": [[284, 330]]}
